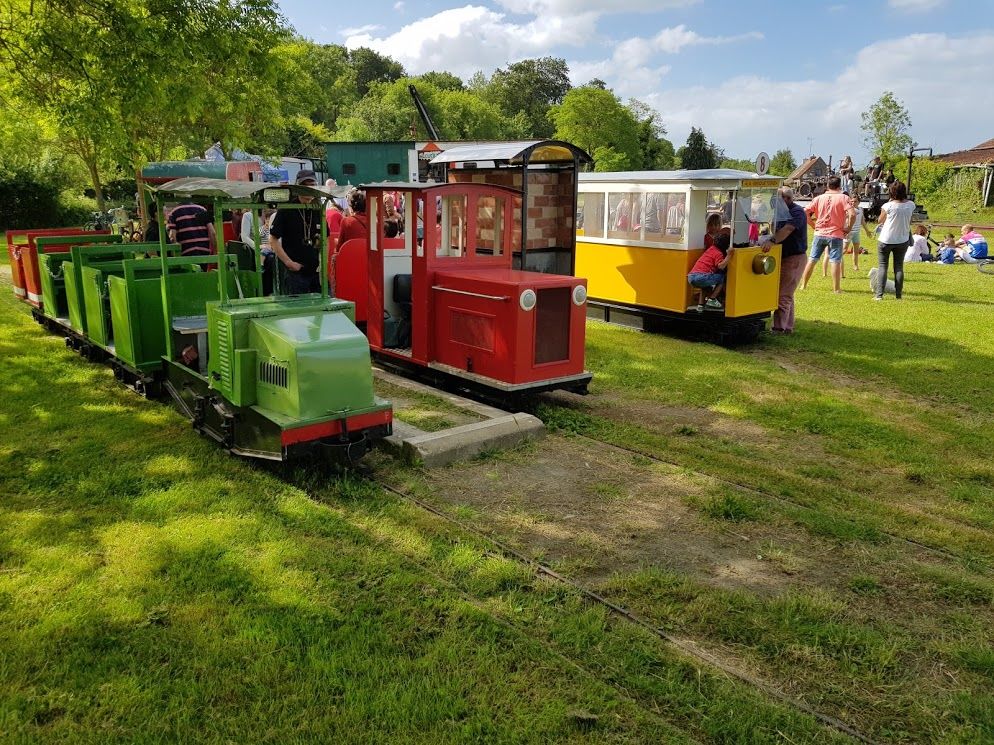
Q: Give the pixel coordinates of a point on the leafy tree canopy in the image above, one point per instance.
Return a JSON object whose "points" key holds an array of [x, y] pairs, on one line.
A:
{"points": [[782, 163], [887, 127], [596, 120], [531, 86]]}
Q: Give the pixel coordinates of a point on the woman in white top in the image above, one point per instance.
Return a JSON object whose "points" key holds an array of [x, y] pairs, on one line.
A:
{"points": [[895, 235], [918, 250]]}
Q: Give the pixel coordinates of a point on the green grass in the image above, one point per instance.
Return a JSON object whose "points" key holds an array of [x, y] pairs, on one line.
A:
{"points": [[153, 589], [873, 420]]}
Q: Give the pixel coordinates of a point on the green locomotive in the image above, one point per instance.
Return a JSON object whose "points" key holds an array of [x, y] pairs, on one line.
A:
{"points": [[271, 377]]}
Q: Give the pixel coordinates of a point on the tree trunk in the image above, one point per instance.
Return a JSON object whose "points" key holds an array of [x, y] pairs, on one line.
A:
{"points": [[98, 189]]}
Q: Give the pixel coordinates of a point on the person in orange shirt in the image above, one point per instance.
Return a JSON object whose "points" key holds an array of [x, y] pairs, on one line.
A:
{"points": [[832, 217]]}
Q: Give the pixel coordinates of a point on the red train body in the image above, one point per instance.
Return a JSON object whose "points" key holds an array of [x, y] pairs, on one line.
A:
{"points": [[451, 305]]}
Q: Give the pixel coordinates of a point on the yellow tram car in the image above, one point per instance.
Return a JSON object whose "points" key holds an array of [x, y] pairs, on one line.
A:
{"points": [[640, 232]]}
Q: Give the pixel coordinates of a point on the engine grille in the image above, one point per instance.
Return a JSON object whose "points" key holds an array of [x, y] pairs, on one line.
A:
{"points": [[552, 325], [275, 373]]}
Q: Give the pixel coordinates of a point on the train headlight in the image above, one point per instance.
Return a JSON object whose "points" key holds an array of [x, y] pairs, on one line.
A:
{"points": [[764, 264], [528, 300], [579, 295]]}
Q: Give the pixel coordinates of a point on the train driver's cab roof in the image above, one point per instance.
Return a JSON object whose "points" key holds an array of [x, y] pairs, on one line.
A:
{"points": [[518, 152]]}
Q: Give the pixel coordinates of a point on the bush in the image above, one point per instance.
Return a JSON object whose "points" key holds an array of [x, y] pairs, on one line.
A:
{"points": [[27, 202]]}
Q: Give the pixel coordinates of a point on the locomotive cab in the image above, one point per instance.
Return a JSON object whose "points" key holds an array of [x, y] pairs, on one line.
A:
{"points": [[443, 297]]}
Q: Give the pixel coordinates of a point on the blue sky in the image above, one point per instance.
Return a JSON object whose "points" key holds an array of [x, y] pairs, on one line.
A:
{"points": [[754, 75]]}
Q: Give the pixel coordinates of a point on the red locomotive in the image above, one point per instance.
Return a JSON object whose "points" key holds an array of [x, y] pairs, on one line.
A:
{"points": [[443, 299]]}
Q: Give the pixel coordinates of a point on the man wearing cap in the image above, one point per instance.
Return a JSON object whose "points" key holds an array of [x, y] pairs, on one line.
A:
{"points": [[294, 238]]}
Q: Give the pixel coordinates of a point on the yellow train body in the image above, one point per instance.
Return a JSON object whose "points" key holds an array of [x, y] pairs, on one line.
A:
{"points": [[639, 235]]}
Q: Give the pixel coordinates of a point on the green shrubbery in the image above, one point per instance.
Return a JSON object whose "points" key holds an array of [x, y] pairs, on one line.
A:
{"points": [[946, 193], [28, 202]]}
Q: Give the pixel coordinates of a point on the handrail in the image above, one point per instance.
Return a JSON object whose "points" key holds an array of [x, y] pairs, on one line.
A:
{"points": [[499, 298]]}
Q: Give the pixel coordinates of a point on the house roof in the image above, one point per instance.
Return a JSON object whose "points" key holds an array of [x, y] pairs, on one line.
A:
{"points": [[977, 155], [806, 166]]}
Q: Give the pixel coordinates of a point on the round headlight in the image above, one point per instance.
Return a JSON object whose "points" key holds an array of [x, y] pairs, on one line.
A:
{"points": [[579, 295], [763, 264], [528, 300]]}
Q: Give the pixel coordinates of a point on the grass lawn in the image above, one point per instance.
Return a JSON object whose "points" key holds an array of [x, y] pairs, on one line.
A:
{"points": [[153, 589], [817, 509]]}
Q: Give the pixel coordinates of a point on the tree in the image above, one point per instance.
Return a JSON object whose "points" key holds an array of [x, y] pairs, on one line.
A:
{"points": [[595, 120], [782, 163], [531, 86], [444, 81], [656, 152], [106, 71], [739, 164], [886, 126], [698, 152], [372, 67], [388, 113]]}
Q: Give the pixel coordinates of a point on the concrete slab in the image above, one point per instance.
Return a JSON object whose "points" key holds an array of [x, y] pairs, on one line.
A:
{"points": [[498, 430]]}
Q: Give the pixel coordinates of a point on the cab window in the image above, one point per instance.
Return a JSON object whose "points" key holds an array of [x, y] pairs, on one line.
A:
{"points": [[454, 228], [489, 226]]}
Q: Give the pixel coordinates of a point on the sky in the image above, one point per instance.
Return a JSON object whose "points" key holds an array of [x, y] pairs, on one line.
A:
{"points": [[754, 75]]}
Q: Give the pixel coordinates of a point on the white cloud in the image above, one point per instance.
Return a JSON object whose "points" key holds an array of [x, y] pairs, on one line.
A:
{"points": [[915, 6], [747, 114], [630, 70], [573, 7], [399, 6], [360, 30], [464, 40]]}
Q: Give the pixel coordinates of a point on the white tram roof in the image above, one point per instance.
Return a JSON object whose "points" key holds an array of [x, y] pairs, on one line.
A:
{"points": [[514, 152], [703, 178]]}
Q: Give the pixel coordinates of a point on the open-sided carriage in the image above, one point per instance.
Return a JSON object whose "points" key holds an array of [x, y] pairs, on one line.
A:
{"points": [[266, 377]]}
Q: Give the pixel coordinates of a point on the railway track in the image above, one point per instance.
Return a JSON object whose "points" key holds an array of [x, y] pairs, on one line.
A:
{"points": [[683, 645]]}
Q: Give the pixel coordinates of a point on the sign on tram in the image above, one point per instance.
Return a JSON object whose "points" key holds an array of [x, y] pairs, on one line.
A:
{"points": [[762, 164]]}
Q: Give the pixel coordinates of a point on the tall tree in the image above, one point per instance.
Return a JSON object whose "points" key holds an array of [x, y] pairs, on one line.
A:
{"points": [[782, 163], [531, 86], [887, 127], [698, 152], [107, 72], [387, 113], [596, 120], [656, 152], [444, 81], [372, 67]]}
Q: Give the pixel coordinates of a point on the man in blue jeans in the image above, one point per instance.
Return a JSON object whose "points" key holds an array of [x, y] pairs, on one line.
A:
{"points": [[832, 217]]}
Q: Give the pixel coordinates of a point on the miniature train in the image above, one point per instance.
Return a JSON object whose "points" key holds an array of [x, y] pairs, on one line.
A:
{"points": [[266, 377], [277, 377]]}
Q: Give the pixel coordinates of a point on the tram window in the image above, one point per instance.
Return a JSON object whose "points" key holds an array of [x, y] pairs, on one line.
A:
{"points": [[624, 215], [664, 214], [590, 214], [454, 227], [489, 226]]}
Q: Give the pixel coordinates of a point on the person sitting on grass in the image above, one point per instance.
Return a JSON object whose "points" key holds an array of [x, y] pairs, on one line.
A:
{"points": [[708, 272], [918, 249], [947, 250], [972, 246]]}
